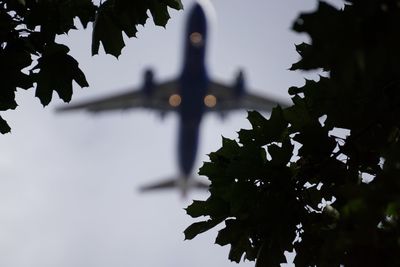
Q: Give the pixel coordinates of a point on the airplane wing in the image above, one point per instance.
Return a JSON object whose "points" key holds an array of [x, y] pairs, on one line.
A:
{"points": [[228, 98], [156, 99]]}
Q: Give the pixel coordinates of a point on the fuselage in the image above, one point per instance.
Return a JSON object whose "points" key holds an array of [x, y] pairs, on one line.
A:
{"points": [[193, 89]]}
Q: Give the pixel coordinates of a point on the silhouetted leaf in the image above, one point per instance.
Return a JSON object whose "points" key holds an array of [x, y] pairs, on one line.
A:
{"points": [[270, 255], [264, 131], [115, 17], [235, 235], [328, 185], [4, 127], [107, 31], [213, 207], [28, 29], [200, 227], [57, 70]]}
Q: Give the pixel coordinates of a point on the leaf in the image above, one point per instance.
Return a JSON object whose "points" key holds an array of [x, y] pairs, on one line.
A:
{"points": [[115, 17], [341, 127], [4, 127], [270, 255], [106, 31], [57, 17], [213, 207], [200, 227], [175, 4], [57, 70], [299, 115], [86, 11], [160, 14], [235, 235], [197, 209], [264, 131], [14, 57], [325, 36], [229, 149], [306, 62], [281, 155], [316, 141]]}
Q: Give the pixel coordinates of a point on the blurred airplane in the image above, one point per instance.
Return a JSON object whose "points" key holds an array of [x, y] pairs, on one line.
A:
{"points": [[190, 95]]}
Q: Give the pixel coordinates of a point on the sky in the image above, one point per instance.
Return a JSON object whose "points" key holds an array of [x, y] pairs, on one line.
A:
{"points": [[68, 182]]}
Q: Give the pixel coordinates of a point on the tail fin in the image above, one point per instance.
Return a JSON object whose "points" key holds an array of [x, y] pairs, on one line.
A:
{"points": [[184, 184]]}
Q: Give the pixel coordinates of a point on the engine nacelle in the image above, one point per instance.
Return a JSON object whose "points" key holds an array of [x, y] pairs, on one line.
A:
{"points": [[148, 84], [239, 85]]}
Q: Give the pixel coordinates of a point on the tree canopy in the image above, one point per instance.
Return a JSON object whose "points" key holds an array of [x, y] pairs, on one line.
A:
{"points": [[320, 177], [31, 57]]}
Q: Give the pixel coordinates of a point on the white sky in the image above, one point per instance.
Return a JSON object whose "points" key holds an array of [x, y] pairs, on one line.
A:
{"points": [[68, 182]]}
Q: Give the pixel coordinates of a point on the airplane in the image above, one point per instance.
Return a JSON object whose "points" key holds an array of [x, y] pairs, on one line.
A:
{"points": [[190, 95]]}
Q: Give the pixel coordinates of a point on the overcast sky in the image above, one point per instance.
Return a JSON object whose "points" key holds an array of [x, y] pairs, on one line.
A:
{"points": [[68, 183]]}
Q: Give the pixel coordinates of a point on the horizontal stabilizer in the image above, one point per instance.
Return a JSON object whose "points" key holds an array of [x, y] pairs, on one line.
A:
{"points": [[166, 184], [183, 184]]}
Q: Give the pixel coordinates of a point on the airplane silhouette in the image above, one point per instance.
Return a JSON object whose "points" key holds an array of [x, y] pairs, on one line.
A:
{"points": [[190, 95]]}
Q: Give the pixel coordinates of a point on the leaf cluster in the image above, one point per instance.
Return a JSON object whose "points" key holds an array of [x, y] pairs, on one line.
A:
{"points": [[30, 57], [297, 181]]}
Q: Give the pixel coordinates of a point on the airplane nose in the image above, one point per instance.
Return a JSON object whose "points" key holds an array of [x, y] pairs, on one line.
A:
{"points": [[197, 8], [196, 39], [197, 19]]}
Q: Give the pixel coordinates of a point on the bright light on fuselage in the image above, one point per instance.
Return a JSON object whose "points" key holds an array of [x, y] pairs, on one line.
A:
{"points": [[175, 100], [210, 101], [196, 39]]}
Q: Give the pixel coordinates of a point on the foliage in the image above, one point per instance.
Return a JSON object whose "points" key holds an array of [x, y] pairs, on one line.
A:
{"points": [[30, 56], [295, 180]]}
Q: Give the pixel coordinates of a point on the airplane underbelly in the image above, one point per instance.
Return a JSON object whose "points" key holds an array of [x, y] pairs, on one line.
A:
{"points": [[188, 144], [193, 90]]}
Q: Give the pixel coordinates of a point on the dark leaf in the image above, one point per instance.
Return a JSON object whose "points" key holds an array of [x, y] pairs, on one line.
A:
{"points": [[4, 127], [235, 235], [200, 227], [160, 14], [213, 207], [264, 131], [106, 31], [115, 17], [57, 70], [269, 255]]}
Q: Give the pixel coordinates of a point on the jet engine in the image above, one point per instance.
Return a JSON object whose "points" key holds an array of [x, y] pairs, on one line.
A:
{"points": [[148, 85], [239, 85]]}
